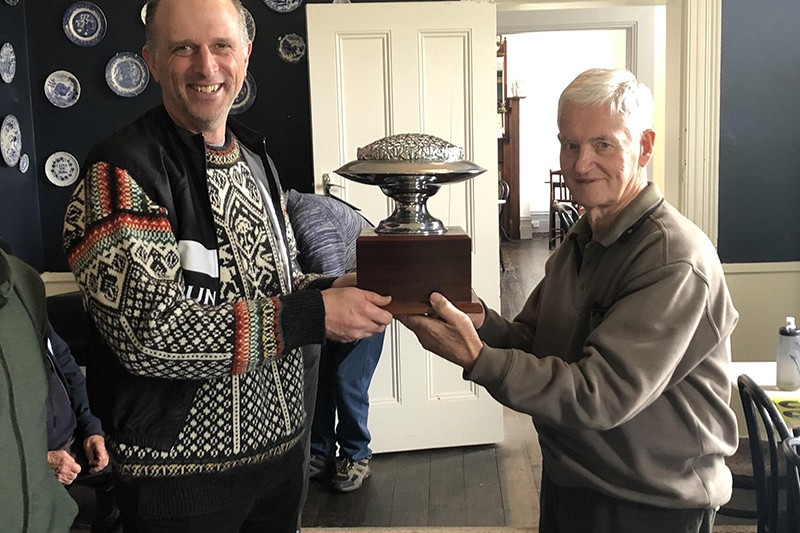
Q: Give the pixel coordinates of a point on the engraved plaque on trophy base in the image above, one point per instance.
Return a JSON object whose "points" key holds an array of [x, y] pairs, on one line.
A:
{"points": [[410, 267]]}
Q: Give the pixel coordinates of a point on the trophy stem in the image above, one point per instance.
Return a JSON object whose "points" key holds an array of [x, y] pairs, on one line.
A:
{"points": [[411, 215]]}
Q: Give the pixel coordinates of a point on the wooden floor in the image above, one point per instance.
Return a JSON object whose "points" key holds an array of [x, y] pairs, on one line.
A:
{"points": [[492, 485]]}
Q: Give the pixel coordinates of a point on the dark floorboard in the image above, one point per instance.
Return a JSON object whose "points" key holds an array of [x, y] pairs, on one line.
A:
{"points": [[482, 481], [447, 490], [524, 262], [380, 493], [411, 490]]}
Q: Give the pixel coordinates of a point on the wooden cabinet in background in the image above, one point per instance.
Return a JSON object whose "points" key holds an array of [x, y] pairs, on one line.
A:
{"points": [[508, 154]]}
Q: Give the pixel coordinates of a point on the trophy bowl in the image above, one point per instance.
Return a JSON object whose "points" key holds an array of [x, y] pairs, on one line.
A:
{"points": [[409, 168]]}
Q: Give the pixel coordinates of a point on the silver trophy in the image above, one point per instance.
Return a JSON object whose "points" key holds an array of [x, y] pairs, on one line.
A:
{"points": [[409, 168]]}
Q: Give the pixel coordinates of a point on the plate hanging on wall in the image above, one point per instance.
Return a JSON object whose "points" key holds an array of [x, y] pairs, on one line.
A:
{"points": [[291, 47], [8, 63], [127, 74], [283, 6], [23, 163], [62, 88], [246, 96], [12, 2], [62, 168], [84, 24], [10, 140], [250, 22]]}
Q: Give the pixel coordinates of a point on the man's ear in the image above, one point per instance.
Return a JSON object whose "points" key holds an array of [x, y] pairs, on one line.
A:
{"points": [[247, 53], [646, 144], [150, 59]]}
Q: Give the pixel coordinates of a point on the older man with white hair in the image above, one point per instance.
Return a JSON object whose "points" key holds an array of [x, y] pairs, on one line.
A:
{"points": [[620, 353]]}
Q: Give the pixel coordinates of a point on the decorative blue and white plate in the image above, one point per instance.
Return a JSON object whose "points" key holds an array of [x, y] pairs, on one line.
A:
{"points": [[12, 2], [84, 23], [246, 96], [283, 6], [127, 74], [62, 88], [250, 22], [62, 168], [291, 47], [10, 140], [8, 62], [23, 163]]}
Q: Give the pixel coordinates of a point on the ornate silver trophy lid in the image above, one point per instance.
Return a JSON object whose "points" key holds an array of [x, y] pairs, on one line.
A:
{"points": [[410, 168]]}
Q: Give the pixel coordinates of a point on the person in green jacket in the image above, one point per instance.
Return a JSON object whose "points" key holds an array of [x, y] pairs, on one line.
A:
{"points": [[31, 499]]}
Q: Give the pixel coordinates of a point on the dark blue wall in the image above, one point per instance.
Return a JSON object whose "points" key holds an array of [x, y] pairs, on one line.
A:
{"points": [[31, 208], [759, 186], [19, 208]]}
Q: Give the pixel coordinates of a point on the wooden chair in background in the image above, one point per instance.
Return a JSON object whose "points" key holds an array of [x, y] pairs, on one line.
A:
{"points": [[503, 191], [769, 472], [564, 211], [744, 484], [791, 448]]}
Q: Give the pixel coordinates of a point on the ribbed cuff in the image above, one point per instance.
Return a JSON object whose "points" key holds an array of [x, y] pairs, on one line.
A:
{"points": [[302, 319], [490, 368]]}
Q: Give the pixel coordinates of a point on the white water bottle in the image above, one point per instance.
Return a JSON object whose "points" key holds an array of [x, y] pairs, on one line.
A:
{"points": [[788, 356]]}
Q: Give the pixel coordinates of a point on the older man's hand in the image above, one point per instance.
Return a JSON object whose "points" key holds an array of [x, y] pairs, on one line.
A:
{"points": [[449, 332], [95, 448], [64, 466], [352, 314]]}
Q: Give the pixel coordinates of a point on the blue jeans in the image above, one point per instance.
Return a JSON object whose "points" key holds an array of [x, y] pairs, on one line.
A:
{"points": [[345, 372]]}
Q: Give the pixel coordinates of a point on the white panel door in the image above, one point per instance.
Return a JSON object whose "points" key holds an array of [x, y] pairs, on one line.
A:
{"points": [[414, 67]]}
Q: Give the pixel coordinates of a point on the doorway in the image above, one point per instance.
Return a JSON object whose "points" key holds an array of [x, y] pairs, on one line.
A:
{"points": [[545, 50]]}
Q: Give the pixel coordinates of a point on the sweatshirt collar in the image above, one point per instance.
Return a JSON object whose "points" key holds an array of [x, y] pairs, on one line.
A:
{"points": [[628, 221]]}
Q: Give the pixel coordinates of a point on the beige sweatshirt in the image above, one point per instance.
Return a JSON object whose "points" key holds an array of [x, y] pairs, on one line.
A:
{"points": [[620, 356]]}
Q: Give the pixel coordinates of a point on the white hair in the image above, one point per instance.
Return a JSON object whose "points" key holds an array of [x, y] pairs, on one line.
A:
{"points": [[618, 89]]}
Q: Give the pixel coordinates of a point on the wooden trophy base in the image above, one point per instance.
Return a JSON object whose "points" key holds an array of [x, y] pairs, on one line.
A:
{"points": [[410, 267]]}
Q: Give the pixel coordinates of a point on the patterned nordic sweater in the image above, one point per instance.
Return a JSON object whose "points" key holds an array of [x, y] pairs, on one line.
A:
{"points": [[248, 405]]}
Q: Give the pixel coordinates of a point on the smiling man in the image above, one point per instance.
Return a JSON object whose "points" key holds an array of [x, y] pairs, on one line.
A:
{"points": [[620, 353], [178, 237], [200, 61]]}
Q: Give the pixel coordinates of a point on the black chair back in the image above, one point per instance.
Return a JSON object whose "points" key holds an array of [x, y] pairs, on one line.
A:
{"points": [[764, 420], [791, 448], [567, 214]]}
